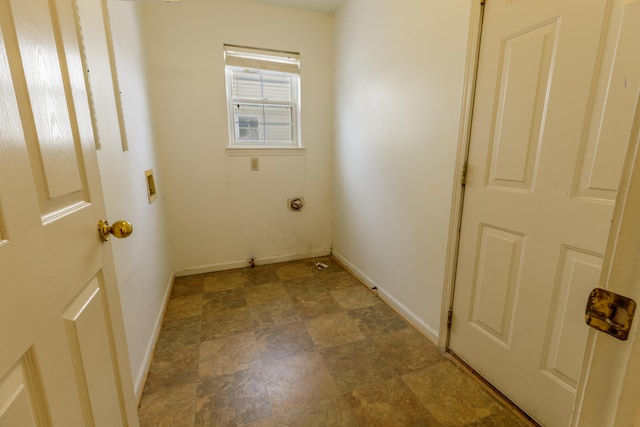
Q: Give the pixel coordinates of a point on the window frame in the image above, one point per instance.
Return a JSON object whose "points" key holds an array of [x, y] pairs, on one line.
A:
{"points": [[254, 67]]}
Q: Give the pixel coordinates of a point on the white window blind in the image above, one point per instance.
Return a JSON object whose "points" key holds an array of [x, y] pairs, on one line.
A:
{"points": [[262, 96]]}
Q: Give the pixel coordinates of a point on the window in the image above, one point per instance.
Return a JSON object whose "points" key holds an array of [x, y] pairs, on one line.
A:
{"points": [[263, 92]]}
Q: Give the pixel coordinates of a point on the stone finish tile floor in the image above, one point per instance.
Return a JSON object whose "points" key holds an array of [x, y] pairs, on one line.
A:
{"points": [[290, 345]]}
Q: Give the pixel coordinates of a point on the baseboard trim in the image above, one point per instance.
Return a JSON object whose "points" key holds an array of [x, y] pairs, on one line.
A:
{"points": [[151, 347], [389, 299], [211, 268], [410, 316]]}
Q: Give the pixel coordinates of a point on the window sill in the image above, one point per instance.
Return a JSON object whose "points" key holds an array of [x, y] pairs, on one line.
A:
{"points": [[262, 151]]}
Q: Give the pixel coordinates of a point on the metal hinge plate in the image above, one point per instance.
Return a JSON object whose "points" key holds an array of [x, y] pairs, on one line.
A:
{"points": [[610, 313], [463, 179], [449, 318]]}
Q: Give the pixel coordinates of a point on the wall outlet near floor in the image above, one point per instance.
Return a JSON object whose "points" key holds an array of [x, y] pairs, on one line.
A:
{"points": [[255, 164]]}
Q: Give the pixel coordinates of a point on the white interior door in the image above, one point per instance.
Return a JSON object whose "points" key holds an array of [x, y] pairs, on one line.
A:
{"points": [[63, 355], [550, 128]]}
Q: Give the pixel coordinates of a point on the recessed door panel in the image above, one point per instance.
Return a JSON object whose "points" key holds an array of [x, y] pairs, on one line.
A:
{"points": [[19, 405], [496, 282], [578, 274], [90, 343], [609, 131], [9, 123], [527, 59], [46, 107]]}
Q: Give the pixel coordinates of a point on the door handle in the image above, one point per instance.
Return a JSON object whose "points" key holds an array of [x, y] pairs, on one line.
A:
{"points": [[120, 229], [610, 313]]}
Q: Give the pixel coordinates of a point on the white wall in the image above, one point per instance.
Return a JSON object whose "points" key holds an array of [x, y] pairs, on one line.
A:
{"points": [[399, 79], [220, 213], [142, 262]]}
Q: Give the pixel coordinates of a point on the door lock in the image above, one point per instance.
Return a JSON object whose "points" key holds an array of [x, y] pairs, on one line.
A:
{"points": [[610, 313]]}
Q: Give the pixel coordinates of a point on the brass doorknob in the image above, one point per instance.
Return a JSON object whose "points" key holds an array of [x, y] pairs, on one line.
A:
{"points": [[120, 229]]}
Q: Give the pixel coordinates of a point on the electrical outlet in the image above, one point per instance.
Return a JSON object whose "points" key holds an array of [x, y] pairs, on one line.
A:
{"points": [[255, 164]]}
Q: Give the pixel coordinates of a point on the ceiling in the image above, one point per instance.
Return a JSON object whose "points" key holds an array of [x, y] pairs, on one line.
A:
{"points": [[324, 6]]}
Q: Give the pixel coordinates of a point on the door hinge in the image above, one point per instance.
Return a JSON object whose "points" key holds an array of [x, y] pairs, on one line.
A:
{"points": [[463, 179], [449, 318]]}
